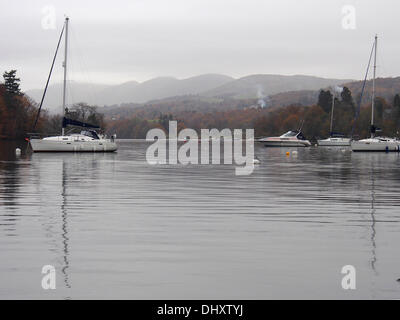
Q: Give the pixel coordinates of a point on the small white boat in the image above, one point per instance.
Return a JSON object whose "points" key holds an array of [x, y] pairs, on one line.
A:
{"points": [[374, 143], [256, 160], [293, 138], [86, 141], [334, 141]]}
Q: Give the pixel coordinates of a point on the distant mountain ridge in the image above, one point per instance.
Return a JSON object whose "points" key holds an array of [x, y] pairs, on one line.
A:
{"points": [[386, 88], [128, 92], [206, 85], [260, 85]]}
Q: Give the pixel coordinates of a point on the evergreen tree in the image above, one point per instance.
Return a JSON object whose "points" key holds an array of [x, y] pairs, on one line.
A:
{"points": [[325, 100], [11, 83], [347, 99], [396, 101], [396, 109], [346, 95]]}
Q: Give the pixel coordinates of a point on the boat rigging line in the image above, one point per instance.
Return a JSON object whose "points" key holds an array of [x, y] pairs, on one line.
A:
{"points": [[48, 80]]}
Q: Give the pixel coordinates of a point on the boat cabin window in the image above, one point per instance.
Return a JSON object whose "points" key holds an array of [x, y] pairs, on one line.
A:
{"points": [[337, 135], [290, 134], [301, 137], [91, 134]]}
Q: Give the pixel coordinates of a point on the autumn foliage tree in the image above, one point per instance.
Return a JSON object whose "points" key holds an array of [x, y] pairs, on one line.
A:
{"points": [[17, 111], [265, 121]]}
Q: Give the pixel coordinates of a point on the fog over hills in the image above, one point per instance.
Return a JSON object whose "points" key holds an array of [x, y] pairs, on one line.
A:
{"points": [[266, 84], [207, 85], [132, 91], [386, 88]]}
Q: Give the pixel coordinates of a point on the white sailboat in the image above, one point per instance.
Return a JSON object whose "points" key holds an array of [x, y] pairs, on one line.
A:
{"points": [[334, 139], [86, 141], [374, 143]]}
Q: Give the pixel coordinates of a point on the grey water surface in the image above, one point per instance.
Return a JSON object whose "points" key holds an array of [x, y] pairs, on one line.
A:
{"points": [[114, 226]]}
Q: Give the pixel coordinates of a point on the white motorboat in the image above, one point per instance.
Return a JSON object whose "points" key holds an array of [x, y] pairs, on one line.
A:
{"points": [[293, 138], [373, 143], [86, 141]]}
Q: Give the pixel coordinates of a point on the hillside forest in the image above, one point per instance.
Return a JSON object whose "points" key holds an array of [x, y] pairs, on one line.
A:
{"points": [[18, 113], [349, 119]]}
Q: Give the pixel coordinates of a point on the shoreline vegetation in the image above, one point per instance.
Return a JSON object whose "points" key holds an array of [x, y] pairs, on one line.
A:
{"points": [[18, 112]]}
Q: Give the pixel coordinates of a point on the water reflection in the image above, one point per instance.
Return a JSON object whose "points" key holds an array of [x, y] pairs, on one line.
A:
{"points": [[114, 221], [65, 227], [9, 188], [373, 221]]}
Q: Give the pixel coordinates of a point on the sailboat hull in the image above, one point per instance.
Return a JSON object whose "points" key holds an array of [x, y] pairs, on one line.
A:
{"points": [[330, 142], [378, 145], [43, 145]]}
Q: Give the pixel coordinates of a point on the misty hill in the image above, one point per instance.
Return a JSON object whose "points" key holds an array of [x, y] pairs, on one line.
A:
{"points": [[386, 88], [115, 93], [76, 92], [300, 97], [131, 91], [195, 92], [164, 87], [261, 85], [207, 85]]}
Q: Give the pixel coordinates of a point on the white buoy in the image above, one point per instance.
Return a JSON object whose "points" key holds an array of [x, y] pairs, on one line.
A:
{"points": [[18, 151], [256, 161], [294, 152]]}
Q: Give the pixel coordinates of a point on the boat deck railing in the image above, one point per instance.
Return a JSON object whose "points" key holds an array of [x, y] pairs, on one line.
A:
{"points": [[37, 135]]}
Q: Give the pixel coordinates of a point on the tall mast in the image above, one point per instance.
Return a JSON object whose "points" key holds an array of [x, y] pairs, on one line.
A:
{"points": [[373, 86], [65, 69], [333, 105]]}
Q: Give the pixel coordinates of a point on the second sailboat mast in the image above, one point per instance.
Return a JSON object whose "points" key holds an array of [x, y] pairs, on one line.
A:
{"points": [[333, 107], [65, 69], [373, 87]]}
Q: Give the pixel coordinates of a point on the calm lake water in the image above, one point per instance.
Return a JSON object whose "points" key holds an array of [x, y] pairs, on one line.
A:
{"points": [[114, 226]]}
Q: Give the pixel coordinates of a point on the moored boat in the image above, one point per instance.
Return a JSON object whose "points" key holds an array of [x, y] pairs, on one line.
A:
{"points": [[334, 141], [382, 144], [293, 138], [375, 143], [86, 141]]}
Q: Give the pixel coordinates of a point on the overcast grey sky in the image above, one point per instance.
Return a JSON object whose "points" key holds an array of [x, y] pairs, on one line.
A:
{"points": [[116, 41]]}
